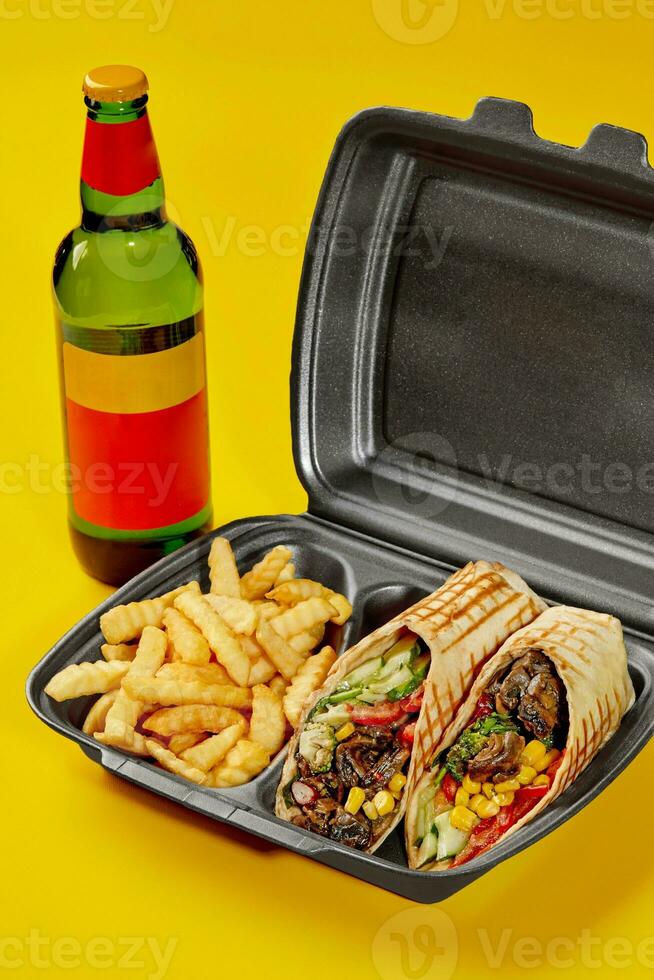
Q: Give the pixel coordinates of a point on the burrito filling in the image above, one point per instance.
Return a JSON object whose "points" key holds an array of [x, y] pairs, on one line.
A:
{"points": [[499, 767], [354, 750]]}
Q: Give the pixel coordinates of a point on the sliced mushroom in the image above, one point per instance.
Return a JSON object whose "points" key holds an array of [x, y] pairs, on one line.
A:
{"points": [[500, 756]]}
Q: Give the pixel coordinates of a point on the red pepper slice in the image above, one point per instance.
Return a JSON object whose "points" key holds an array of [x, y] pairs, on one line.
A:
{"points": [[485, 706], [377, 714], [407, 733], [506, 817], [481, 838], [523, 806], [531, 792], [449, 787], [489, 831], [413, 702]]}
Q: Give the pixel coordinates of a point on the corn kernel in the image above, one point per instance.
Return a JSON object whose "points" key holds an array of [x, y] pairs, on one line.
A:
{"points": [[487, 808], [384, 802], [471, 786], [462, 798], [533, 751], [504, 799], [397, 782], [370, 810], [462, 819], [546, 760], [507, 786], [541, 780], [475, 801], [345, 731], [355, 798], [488, 790], [526, 775]]}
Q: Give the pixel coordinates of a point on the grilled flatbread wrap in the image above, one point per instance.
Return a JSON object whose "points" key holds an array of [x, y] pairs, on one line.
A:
{"points": [[357, 739], [562, 680]]}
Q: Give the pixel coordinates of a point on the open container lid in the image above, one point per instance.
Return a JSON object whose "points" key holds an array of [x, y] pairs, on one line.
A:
{"points": [[473, 365]]}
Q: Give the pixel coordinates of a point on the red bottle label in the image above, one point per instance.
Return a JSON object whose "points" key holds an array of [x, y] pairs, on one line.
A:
{"points": [[119, 158], [137, 435]]}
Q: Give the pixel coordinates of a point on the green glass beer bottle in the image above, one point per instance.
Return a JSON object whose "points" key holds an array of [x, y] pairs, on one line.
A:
{"points": [[128, 303]]}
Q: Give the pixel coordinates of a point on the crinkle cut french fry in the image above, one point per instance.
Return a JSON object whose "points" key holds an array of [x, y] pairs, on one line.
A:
{"points": [[124, 713], [204, 673], [304, 642], [286, 574], [186, 641], [118, 651], [165, 691], [191, 718], [343, 607], [267, 610], [121, 720], [96, 717], [76, 680], [150, 653], [213, 750], [308, 679], [261, 671], [173, 763], [184, 740], [134, 744], [304, 616], [252, 647], [223, 573], [284, 657], [261, 578], [278, 685], [296, 590], [239, 614], [222, 641], [268, 722], [124, 623], [245, 760]]}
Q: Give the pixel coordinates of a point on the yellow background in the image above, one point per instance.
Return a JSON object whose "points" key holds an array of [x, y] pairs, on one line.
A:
{"points": [[247, 99]]}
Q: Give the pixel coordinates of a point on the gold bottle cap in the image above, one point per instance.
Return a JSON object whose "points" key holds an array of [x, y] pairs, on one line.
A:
{"points": [[115, 83]]}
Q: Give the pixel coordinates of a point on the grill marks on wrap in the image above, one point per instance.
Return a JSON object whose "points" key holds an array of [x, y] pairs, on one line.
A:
{"points": [[484, 589], [476, 599], [488, 586], [588, 747], [446, 607]]}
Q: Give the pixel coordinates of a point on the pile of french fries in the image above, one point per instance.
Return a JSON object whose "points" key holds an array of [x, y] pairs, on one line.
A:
{"points": [[210, 686]]}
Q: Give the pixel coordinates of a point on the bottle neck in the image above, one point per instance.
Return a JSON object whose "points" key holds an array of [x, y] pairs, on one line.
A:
{"points": [[121, 185]]}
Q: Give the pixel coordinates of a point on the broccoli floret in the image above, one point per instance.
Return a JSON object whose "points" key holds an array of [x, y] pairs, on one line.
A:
{"points": [[466, 747], [471, 741]]}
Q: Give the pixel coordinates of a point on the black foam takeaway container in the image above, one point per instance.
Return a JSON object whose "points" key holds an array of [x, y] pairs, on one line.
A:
{"points": [[472, 378]]}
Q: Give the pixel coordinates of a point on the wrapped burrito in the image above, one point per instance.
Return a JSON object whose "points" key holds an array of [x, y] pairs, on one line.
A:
{"points": [[389, 699], [537, 714]]}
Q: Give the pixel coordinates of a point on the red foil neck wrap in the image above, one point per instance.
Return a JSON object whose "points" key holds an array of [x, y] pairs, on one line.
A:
{"points": [[119, 158]]}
